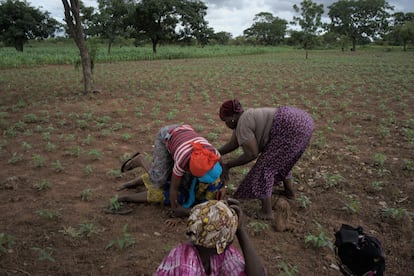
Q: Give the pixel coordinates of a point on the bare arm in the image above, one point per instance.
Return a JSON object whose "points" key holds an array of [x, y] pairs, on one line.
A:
{"points": [[250, 152], [230, 146], [253, 263]]}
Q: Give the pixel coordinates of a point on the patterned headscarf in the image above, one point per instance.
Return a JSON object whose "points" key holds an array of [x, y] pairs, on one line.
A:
{"points": [[212, 224], [230, 107]]}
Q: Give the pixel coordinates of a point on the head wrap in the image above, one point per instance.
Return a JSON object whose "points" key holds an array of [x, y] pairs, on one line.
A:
{"points": [[212, 224], [202, 160], [230, 107]]}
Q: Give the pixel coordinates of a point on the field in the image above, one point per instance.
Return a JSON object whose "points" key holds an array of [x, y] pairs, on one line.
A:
{"points": [[60, 154]]}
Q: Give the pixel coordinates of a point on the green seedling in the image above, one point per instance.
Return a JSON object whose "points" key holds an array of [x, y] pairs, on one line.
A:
{"points": [[126, 136], [88, 140], [287, 269], [87, 229], [86, 194], [114, 204], [408, 165], [57, 166], [95, 154], [44, 254], [352, 205], [50, 147], [379, 159], [70, 231], [333, 180], [377, 185], [46, 213], [88, 169], [320, 240], [38, 160], [115, 173], [26, 146], [15, 158], [304, 201], [122, 242], [258, 226], [6, 242], [396, 213], [42, 185]]}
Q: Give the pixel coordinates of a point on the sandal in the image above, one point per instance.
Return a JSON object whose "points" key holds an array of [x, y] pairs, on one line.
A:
{"points": [[123, 169], [120, 211]]}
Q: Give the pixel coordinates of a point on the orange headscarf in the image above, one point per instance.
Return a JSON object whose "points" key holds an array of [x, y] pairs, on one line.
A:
{"points": [[202, 160]]}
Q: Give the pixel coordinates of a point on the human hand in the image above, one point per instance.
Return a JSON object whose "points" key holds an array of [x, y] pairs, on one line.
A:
{"points": [[220, 194], [179, 212]]}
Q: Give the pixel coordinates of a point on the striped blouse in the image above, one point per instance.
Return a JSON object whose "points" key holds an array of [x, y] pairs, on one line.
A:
{"points": [[179, 145]]}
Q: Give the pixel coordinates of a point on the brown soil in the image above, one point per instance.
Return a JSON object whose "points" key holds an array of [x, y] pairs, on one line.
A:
{"points": [[135, 105]]}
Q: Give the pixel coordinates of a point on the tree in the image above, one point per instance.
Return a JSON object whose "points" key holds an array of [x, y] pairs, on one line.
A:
{"points": [[158, 19], [309, 20], [405, 33], [267, 29], [222, 38], [358, 19], [20, 22], [110, 22], [74, 23]]}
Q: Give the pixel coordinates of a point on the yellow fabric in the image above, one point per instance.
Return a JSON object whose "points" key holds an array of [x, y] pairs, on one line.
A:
{"points": [[153, 194]]}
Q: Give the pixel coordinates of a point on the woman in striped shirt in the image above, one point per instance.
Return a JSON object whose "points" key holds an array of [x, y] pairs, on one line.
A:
{"points": [[178, 150]]}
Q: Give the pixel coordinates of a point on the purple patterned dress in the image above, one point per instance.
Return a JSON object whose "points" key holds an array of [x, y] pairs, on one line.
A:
{"points": [[289, 136]]}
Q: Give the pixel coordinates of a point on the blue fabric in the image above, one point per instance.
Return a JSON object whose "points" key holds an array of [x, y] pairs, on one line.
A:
{"points": [[212, 174]]}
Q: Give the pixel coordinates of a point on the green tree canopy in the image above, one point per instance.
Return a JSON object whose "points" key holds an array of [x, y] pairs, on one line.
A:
{"points": [[20, 22], [158, 20], [358, 19], [267, 29]]}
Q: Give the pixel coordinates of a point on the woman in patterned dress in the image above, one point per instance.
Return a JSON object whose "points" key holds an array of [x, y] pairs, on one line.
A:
{"points": [[276, 137], [212, 227]]}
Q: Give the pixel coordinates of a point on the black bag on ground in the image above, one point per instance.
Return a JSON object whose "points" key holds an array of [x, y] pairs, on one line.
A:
{"points": [[358, 253]]}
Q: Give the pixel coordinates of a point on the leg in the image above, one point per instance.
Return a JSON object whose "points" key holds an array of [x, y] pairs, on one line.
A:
{"points": [[266, 210], [136, 198], [287, 184], [138, 161], [131, 184]]}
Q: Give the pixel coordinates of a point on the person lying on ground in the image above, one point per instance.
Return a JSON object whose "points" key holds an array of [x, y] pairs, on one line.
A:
{"points": [[178, 150], [276, 137], [212, 227]]}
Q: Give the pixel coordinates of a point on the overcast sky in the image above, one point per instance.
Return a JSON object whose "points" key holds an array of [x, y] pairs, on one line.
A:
{"points": [[233, 16]]}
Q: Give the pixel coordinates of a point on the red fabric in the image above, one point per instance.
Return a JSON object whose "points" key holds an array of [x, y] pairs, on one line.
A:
{"points": [[230, 107], [202, 160]]}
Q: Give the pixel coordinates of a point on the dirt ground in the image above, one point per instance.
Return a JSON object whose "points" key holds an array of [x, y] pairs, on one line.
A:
{"points": [[53, 211]]}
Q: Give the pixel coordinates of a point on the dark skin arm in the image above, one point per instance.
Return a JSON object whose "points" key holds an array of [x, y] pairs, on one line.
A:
{"points": [[230, 146], [177, 209], [253, 263]]}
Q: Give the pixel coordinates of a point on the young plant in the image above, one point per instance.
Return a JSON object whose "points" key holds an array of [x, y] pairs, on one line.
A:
{"points": [[379, 159], [126, 136], [38, 160], [44, 254], [320, 240], [333, 180], [122, 242], [70, 231], [258, 226], [95, 154], [50, 147], [377, 185], [57, 166], [26, 146], [46, 213], [15, 158], [6, 242], [288, 269], [352, 205], [304, 201], [42, 185], [87, 229], [86, 194], [88, 169], [88, 140], [115, 173], [396, 213], [114, 204]]}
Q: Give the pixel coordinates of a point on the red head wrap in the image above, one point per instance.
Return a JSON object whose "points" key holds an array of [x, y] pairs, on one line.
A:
{"points": [[230, 107]]}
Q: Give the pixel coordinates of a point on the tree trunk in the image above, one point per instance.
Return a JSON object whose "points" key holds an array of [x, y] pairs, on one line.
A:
{"points": [[109, 46], [154, 45], [18, 44], [353, 44], [73, 20]]}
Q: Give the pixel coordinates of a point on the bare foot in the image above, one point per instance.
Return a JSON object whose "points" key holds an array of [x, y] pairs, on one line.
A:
{"points": [[261, 215]]}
